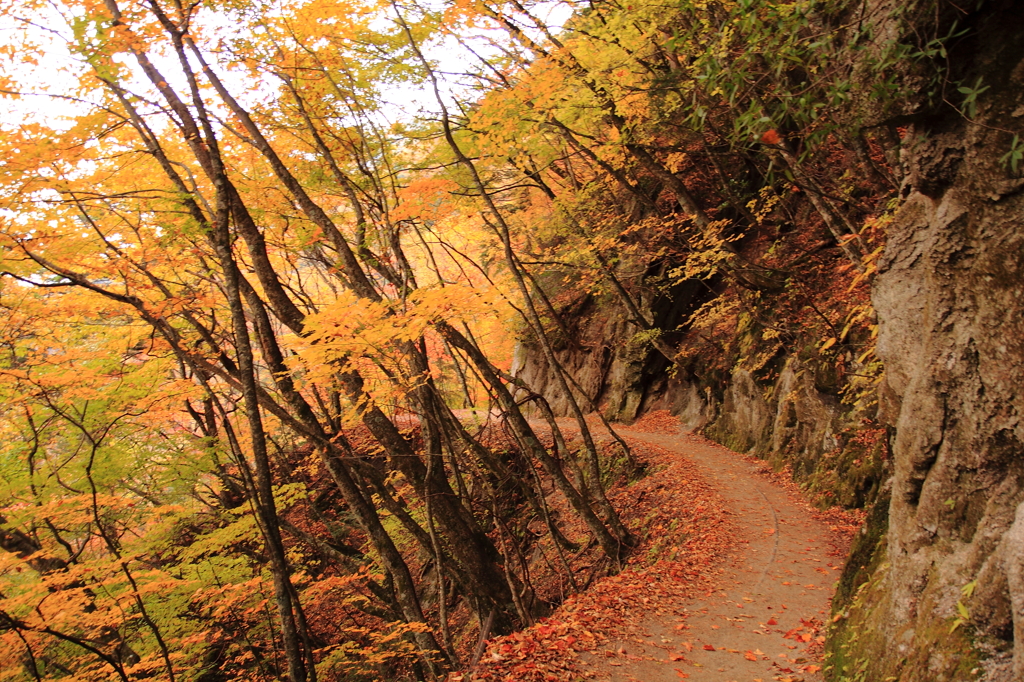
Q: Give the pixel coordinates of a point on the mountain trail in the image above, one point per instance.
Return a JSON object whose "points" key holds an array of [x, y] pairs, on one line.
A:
{"points": [[732, 580], [762, 622]]}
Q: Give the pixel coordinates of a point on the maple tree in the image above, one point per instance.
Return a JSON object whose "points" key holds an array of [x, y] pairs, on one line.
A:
{"points": [[282, 297]]}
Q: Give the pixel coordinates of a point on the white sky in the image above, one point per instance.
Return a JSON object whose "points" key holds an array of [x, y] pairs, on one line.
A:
{"points": [[55, 78]]}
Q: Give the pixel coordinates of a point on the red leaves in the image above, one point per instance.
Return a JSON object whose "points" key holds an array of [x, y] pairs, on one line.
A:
{"points": [[544, 631], [611, 608], [658, 421], [805, 632], [771, 137], [677, 562]]}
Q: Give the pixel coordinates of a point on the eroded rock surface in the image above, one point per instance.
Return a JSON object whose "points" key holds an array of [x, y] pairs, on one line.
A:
{"points": [[944, 601]]}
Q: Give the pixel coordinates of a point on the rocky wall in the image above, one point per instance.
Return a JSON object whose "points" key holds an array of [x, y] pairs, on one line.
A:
{"points": [[939, 595], [788, 421]]}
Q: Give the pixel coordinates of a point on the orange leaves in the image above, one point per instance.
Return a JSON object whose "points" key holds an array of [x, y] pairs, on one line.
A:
{"points": [[429, 198], [350, 326], [368, 336], [805, 632], [672, 564], [658, 421], [237, 600]]}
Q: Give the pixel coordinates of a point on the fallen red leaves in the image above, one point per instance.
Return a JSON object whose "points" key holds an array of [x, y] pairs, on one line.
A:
{"points": [[843, 523], [684, 535], [658, 421], [684, 532]]}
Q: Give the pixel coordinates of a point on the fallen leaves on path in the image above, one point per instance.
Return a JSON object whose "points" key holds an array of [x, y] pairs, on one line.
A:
{"points": [[843, 523], [684, 533], [659, 421]]}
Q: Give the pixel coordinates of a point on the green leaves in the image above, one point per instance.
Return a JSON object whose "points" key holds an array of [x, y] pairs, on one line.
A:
{"points": [[1011, 159], [963, 614], [969, 106]]}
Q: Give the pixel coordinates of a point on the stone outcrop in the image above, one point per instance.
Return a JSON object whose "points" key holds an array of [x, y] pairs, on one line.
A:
{"points": [[943, 598], [788, 421]]}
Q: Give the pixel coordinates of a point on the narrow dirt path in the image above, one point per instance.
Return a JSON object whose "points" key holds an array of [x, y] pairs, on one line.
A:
{"points": [[731, 581], [761, 623]]}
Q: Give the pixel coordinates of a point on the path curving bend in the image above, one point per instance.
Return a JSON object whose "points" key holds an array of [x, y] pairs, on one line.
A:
{"points": [[772, 596]]}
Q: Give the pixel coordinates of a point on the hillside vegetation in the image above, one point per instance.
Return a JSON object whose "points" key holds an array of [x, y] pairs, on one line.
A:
{"points": [[276, 353]]}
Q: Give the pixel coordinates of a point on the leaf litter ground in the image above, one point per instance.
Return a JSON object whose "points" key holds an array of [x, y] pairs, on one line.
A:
{"points": [[675, 611]]}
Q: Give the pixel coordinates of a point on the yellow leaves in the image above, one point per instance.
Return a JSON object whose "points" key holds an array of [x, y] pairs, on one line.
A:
{"points": [[335, 19], [766, 202], [709, 251], [870, 268], [350, 328], [714, 312], [241, 531], [352, 659], [233, 599], [503, 118], [371, 337], [451, 303], [963, 617], [674, 161]]}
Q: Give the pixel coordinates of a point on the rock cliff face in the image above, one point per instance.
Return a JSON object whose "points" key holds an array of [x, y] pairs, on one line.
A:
{"points": [[950, 303], [934, 589], [624, 377]]}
